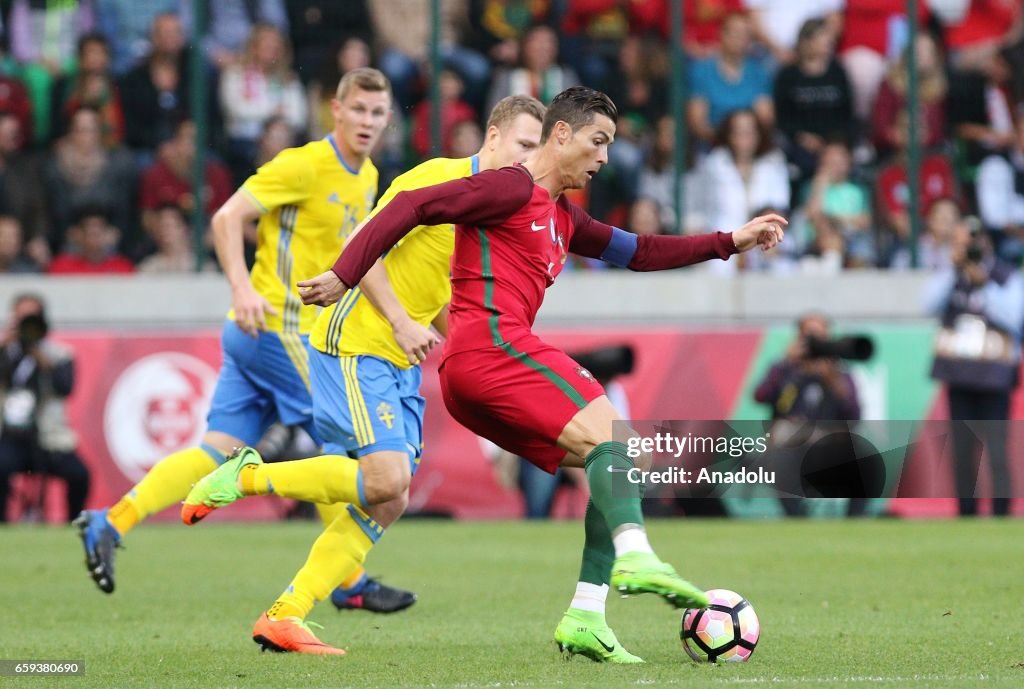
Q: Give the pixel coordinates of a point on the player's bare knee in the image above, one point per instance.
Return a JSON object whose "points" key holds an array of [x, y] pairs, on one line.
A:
{"points": [[387, 513], [386, 476]]}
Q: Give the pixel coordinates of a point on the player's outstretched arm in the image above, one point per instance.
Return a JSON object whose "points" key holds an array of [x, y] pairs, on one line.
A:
{"points": [[658, 252], [414, 339], [485, 199], [228, 224]]}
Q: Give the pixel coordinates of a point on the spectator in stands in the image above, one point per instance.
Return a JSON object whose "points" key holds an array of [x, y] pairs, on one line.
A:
{"points": [[777, 23], [836, 204], [158, 89], [539, 74], [742, 174], [92, 246], [231, 22], [497, 27], [48, 33], [645, 217], [260, 86], [12, 255], [980, 112], [314, 27], [943, 225], [276, 137], [657, 179], [402, 29], [352, 52], [467, 138], [591, 34], [175, 252], [169, 181], [985, 28], [803, 388], [813, 101], [1000, 188], [892, 96], [704, 21], [454, 111], [37, 375], [893, 193], [20, 189], [37, 83], [874, 33], [90, 84], [14, 100], [977, 355], [81, 172], [729, 81], [639, 90], [130, 26]]}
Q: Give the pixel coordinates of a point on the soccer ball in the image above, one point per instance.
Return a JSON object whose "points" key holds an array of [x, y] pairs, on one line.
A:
{"points": [[726, 631]]}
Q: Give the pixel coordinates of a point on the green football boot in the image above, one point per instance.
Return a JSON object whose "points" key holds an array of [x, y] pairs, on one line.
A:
{"points": [[587, 634], [219, 488], [645, 573]]}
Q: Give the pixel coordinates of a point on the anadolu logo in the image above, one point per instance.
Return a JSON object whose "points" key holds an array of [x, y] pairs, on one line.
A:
{"points": [[156, 406]]}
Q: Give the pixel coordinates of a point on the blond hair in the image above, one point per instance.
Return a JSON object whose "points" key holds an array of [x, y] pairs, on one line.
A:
{"points": [[364, 79], [511, 107]]}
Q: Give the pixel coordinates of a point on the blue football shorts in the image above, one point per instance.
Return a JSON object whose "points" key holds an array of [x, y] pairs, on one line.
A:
{"points": [[262, 380]]}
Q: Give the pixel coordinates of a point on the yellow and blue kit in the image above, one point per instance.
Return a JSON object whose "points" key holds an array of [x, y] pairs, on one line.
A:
{"points": [[365, 392], [310, 200]]}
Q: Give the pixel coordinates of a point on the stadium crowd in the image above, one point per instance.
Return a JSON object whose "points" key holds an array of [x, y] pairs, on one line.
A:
{"points": [[797, 106]]}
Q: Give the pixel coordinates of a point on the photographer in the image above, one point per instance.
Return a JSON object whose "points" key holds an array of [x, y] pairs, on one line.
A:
{"points": [[36, 375], [980, 303], [807, 386]]}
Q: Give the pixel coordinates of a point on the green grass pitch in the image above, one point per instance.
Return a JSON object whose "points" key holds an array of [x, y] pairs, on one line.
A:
{"points": [[934, 605]]}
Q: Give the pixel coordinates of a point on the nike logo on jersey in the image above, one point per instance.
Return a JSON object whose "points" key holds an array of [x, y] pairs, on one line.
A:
{"points": [[613, 470], [537, 228], [333, 198]]}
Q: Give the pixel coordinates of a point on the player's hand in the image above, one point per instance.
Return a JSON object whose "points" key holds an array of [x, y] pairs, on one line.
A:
{"points": [[415, 340], [764, 231], [250, 309], [323, 290]]}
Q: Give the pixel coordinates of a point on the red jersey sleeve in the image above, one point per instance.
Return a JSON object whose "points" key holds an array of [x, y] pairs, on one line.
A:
{"points": [[595, 239], [485, 199]]}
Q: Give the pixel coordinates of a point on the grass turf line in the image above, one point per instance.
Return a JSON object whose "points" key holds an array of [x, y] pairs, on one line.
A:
{"points": [[841, 603]]}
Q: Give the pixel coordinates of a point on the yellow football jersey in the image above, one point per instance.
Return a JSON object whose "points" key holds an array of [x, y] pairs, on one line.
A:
{"points": [[311, 201], [419, 269]]}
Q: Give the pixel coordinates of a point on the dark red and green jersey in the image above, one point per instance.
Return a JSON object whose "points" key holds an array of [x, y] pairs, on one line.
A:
{"points": [[511, 243]]}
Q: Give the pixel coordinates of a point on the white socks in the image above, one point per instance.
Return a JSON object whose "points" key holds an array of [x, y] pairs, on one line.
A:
{"points": [[590, 597], [631, 540]]}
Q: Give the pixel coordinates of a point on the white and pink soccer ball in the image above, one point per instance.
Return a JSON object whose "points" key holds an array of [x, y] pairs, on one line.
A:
{"points": [[726, 631]]}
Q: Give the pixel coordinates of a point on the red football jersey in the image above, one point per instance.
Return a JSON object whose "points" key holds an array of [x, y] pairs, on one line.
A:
{"points": [[511, 243]]}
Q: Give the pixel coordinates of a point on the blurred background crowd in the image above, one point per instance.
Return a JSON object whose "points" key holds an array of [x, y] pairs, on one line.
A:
{"points": [[799, 106]]}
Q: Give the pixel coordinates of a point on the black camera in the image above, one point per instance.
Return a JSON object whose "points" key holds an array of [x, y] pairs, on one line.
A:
{"points": [[607, 362], [32, 329], [851, 348]]}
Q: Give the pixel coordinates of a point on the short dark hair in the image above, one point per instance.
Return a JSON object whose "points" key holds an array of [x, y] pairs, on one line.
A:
{"points": [[91, 210], [173, 208], [92, 37], [35, 297], [577, 106]]}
